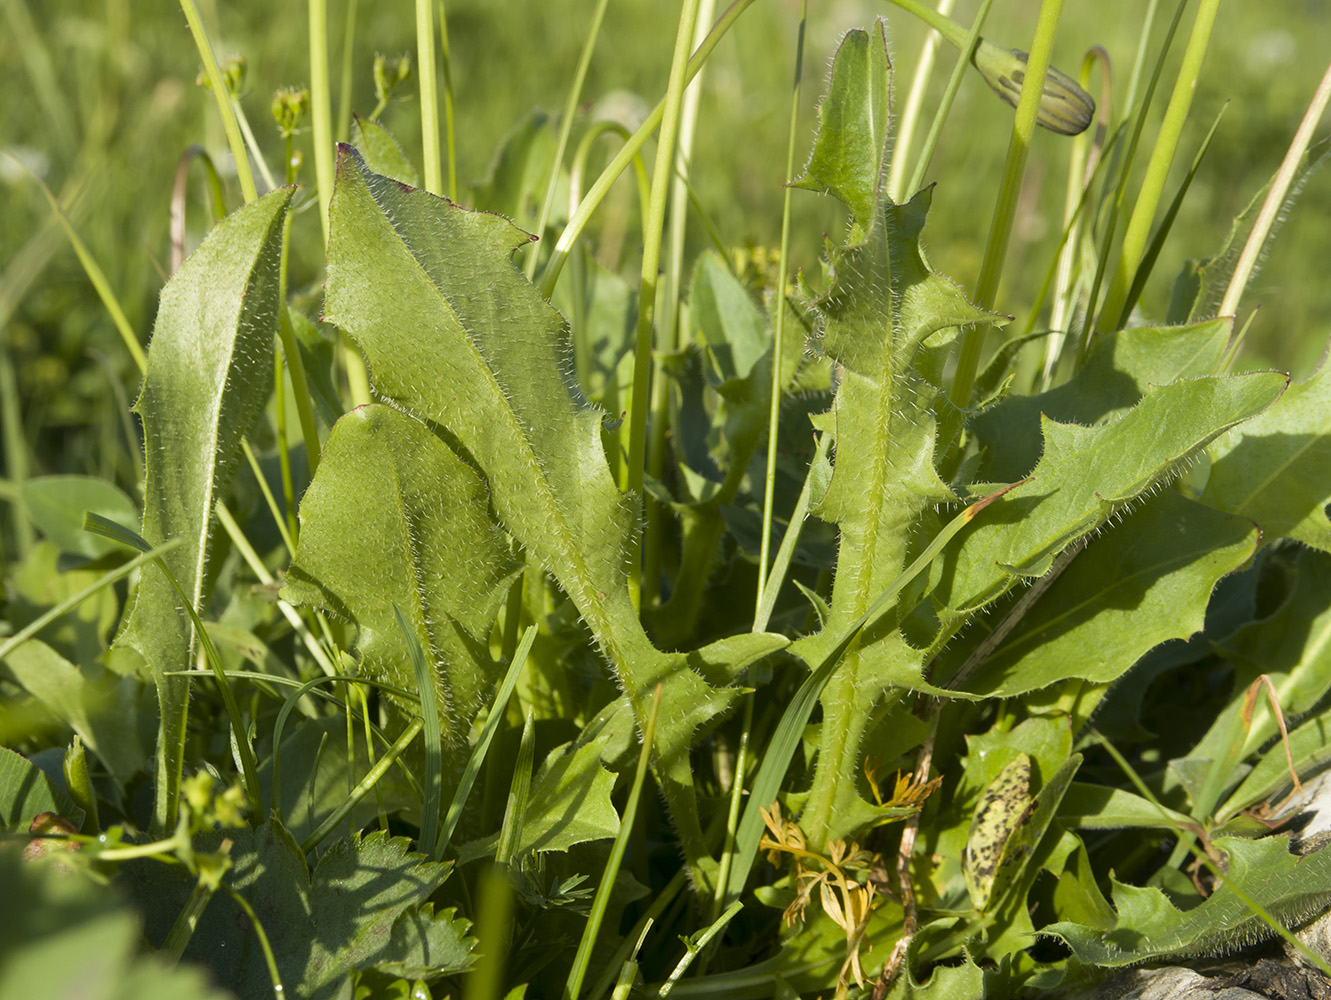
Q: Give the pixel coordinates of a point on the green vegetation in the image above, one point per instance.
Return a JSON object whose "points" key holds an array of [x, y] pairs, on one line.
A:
{"points": [[683, 602]]}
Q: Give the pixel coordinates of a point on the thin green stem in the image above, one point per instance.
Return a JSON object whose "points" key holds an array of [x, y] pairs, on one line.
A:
{"points": [[223, 97], [589, 204], [449, 138], [662, 169], [949, 97], [363, 786], [94, 272], [1138, 231], [348, 71], [269, 959], [279, 516], [1275, 198], [1082, 164], [433, 161], [910, 112], [601, 900], [16, 453], [1005, 212], [321, 112], [565, 129], [74, 600], [266, 578], [779, 334], [667, 338]]}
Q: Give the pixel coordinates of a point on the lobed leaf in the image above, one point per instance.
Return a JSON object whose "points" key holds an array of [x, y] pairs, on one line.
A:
{"points": [[1143, 583], [363, 906], [884, 305], [1150, 926], [1121, 367], [1087, 474]]}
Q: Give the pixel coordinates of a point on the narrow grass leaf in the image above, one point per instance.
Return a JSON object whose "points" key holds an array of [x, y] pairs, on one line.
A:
{"points": [[519, 792], [602, 899], [431, 732], [482, 746]]}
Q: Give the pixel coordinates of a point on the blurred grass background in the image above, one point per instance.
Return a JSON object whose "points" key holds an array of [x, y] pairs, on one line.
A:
{"points": [[99, 99]]}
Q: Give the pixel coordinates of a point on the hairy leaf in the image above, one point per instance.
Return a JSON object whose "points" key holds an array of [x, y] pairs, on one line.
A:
{"points": [[381, 151], [850, 149], [884, 305], [1150, 926], [1087, 474], [455, 335], [1277, 469], [395, 519], [1115, 377], [209, 373], [1136, 586]]}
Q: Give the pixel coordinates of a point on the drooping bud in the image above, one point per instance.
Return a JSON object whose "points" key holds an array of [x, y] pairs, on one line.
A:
{"points": [[1065, 107]]}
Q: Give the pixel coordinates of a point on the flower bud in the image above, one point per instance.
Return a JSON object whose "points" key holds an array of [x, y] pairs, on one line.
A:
{"points": [[1064, 107], [289, 107]]}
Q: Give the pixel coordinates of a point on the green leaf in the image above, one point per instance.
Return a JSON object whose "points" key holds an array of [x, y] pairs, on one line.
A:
{"points": [[66, 936], [1150, 926], [734, 333], [727, 320], [316, 775], [884, 306], [1144, 582], [1118, 372], [58, 503], [850, 149], [25, 791], [1292, 647], [382, 152], [1088, 474], [105, 710], [39, 584], [1309, 748], [520, 171], [209, 374], [455, 335], [569, 804], [1100, 807], [364, 906], [1277, 469], [395, 518]]}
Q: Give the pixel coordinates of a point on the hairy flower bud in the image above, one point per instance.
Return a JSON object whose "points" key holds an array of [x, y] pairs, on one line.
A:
{"points": [[289, 107], [1064, 107]]}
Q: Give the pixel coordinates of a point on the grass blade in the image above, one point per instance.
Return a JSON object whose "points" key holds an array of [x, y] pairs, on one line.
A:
{"points": [[602, 900], [478, 752], [434, 741]]}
